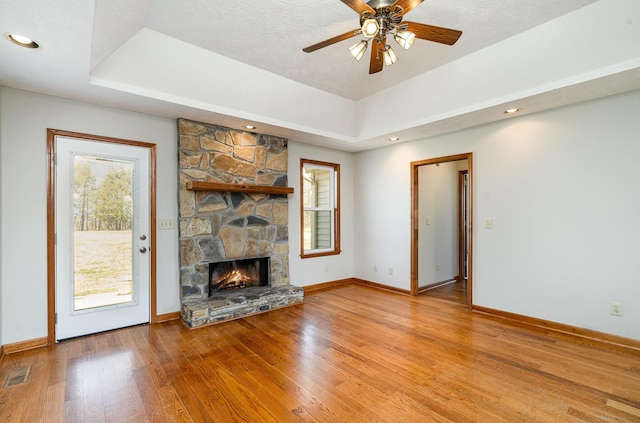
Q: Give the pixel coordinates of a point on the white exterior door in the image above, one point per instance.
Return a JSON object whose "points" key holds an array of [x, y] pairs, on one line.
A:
{"points": [[102, 236]]}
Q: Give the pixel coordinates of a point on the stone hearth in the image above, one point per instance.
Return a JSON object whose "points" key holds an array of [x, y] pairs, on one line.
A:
{"points": [[239, 303]]}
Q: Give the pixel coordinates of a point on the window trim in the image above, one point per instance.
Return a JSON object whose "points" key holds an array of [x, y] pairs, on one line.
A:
{"points": [[336, 210]]}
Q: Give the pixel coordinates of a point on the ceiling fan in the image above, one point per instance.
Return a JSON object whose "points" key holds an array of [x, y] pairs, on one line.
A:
{"points": [[379, 18]]}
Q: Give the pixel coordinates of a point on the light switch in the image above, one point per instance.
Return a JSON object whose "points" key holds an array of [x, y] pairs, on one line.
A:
{"points": [[165, 224], [488, 223]]}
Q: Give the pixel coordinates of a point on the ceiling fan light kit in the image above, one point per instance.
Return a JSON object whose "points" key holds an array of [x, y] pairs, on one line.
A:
{"points": [[405, 39], [379, 18], [370, 28], [357, 50], [389, 55]]}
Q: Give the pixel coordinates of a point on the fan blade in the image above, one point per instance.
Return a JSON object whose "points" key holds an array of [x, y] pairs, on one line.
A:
{"points": [[359, 6], [406, 5], [330, 41], [434, 33], [376, 57]]}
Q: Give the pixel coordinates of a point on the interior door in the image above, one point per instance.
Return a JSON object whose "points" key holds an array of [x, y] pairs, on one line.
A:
{"points": [[102, 236]]}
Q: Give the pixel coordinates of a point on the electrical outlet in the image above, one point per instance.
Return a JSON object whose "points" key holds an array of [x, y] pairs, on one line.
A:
{"points": [[165, 224], [326, 267], [375, 267], [391, 270], [437, 267], [615, 309]]}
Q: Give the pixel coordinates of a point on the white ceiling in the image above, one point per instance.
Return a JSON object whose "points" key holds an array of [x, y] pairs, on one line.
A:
{"points": [[231, 62]]}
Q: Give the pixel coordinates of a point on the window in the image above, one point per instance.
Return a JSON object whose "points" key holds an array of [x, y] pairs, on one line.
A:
{"points": [[319, 208]]}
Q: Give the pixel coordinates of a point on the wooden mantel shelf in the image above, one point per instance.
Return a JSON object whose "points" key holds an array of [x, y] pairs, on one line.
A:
{"points": [[250, 189]]}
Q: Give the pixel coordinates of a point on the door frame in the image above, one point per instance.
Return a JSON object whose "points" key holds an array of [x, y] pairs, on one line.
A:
{"points": [[463, 209], [415, 197], [51, 220]]}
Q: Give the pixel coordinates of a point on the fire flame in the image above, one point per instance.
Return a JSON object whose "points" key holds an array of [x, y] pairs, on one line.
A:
{"points": [[235, 279]]}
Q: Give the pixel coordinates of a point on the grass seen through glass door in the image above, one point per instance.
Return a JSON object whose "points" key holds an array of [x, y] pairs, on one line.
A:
{"points": [[102, 262]]}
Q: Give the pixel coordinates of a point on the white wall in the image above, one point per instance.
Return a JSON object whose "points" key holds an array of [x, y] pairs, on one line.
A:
{"points": [[562, 189], [24, 120], [312, 271]]}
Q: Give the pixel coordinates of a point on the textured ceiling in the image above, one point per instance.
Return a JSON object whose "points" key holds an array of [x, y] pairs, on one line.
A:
{"points": [[271, 34], [230, 62]]}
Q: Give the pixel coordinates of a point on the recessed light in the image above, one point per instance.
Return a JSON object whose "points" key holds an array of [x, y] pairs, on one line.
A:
{"points": [[249, 127], [22, 41], [394, 139], [510, 111]]}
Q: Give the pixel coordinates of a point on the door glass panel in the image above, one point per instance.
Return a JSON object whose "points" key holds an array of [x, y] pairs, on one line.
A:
{"points": [[102, 236]]}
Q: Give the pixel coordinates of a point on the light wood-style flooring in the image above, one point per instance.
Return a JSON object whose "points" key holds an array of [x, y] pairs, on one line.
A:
{"points": [[349, 354]]}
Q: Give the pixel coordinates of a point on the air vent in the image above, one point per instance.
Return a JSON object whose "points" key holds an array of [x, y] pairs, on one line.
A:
{"points": [[17, 376]]}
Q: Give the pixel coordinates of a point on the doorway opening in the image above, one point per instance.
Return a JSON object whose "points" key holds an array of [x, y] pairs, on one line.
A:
{"points": [[441, 222]]}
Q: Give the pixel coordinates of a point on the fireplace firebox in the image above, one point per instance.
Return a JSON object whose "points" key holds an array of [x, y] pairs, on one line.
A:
{"points": [[237, 274]]}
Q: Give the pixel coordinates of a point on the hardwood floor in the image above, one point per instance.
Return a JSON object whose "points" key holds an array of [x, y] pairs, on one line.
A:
{"points": [[350, 354], [455, 291]]}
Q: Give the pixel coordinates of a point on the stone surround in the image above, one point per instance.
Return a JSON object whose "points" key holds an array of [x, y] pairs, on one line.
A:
{"points": [[219, 226]]}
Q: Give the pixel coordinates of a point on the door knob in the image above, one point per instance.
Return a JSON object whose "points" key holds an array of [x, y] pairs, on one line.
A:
{"points": [[143, 250], [143, 237]]}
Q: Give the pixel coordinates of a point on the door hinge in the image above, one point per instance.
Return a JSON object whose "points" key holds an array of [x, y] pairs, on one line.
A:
{"points": [[55, 158], [56, 318]]}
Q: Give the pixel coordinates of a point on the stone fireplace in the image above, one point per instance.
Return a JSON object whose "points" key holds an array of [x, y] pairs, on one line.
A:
{"points": [[221, 225]]}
